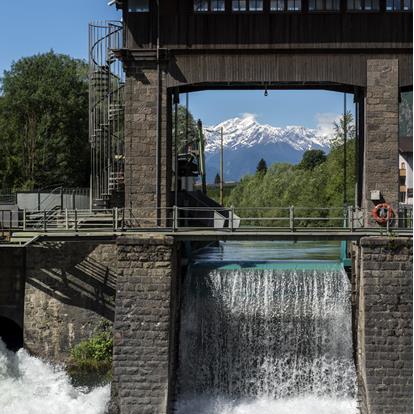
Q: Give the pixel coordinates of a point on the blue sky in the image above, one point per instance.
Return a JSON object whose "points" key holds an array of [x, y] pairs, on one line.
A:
{"points": [[28, 27], [280, 108]]}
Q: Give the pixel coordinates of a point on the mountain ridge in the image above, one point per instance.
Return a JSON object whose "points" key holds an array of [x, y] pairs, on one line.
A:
{"points": [[245, 141]]}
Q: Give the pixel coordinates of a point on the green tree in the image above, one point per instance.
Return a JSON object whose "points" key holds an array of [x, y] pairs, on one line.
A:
{"points": [[187, 129], [312, 189], [261, 167], [312, 159], [44, 123], [345, 124], [217, 179]]}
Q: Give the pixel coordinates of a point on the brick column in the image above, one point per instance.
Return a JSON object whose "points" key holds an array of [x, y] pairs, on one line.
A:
{"points": [[381, 123], [385, 326], [143, 325], [141, 97]]}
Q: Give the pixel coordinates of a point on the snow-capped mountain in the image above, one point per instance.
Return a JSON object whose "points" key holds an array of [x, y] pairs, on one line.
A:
{"points": [[246, 141]]}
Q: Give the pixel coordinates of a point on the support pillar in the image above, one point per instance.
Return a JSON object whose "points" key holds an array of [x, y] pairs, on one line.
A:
{"points": [[144, 325], [385, 348], [146, 110], [381, 132]]}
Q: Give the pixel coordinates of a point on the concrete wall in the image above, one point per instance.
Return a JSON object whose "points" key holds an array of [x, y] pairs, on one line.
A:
{"points": [[385, 325], [70, 288], [145, 317]]}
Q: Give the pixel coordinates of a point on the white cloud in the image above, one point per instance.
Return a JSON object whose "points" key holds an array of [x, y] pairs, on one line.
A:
{"points": [[325, 122], [248, 115]]}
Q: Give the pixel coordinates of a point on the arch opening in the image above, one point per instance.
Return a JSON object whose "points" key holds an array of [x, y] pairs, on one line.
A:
{"points": [[11, 334]]}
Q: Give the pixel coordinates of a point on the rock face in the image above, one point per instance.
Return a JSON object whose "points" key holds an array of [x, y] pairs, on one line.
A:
{"points": [[246, 141]]}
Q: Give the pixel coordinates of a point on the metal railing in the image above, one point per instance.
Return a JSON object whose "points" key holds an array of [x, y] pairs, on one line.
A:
{"points": [[176, 219]]}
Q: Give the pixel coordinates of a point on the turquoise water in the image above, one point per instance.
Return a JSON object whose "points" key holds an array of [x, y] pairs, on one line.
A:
{"points": [[277, 254]]}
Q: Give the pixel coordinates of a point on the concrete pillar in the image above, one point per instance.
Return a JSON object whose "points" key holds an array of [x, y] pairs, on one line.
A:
{"points": [[141, 113], [143, 339], [381, 135], [384, 348]]}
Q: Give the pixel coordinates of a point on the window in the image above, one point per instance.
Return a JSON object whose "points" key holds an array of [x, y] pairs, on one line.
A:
{"points": [[399, 5], [209, 5], [247, 5], [201, 5], [239, 5], [285, 5], [218, 5], [367, 5], [138, 6], [256, 5], [324, 5]]}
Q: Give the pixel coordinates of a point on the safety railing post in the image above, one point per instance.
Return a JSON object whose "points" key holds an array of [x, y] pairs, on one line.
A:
{"points": [[292, 218], [115, 218], [24, 219], [175, 218], [388, 220], [66, 219], [231, 213], [351, 218], [123, 220], [76, 220], [44, 221]]}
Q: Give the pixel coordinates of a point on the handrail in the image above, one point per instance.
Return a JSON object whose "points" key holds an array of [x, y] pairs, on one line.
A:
{"points": [[126, 219]]}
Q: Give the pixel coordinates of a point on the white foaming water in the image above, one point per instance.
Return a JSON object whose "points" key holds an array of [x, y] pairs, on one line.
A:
{"points": [[266, 341], [300, 405], [31, 386]]}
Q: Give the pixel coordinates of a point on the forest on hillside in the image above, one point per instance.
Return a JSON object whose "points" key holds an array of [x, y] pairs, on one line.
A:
{"points": [[316, 182]]}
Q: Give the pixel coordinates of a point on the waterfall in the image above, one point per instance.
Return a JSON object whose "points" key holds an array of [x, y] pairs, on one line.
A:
{"points": [[30, 386], [266, 341]]}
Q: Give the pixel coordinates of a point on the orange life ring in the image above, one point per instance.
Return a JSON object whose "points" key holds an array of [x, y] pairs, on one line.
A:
{"points": [[382, 213]]}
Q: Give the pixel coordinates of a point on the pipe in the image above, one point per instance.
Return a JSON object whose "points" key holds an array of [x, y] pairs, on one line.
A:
{"points": [[345, 156], [158, 123], [176, 102]]}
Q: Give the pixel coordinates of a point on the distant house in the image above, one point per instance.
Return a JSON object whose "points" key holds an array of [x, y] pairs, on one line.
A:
{"points": [[406, 169]]}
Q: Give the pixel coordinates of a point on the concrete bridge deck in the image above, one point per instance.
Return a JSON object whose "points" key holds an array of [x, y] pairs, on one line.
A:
{"points": [[194, 234]]}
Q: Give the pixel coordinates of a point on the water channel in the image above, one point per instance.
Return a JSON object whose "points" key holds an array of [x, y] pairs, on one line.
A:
{"points": [[266, 329]]}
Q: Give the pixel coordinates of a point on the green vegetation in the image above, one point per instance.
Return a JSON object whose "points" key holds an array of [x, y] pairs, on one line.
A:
{"points": [[261, 167], [312, 159], [316, 182], [93, 356], [44, 123], [187, 130], [213, 191]]}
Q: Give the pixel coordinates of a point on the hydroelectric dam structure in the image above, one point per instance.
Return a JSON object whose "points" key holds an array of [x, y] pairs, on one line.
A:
{"points": [[127, 258]]}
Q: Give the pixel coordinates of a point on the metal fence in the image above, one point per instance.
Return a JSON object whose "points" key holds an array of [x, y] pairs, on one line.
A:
{"points": [[175, 219]]}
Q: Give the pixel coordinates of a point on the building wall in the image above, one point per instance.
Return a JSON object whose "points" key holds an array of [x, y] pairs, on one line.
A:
{"points": [[385, 347], [70, 289], [407, 159], [182, 28]]}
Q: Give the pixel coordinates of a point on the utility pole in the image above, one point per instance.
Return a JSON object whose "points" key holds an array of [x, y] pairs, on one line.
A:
{"points": [[221, 161], [221, 168], [201, 156]]}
